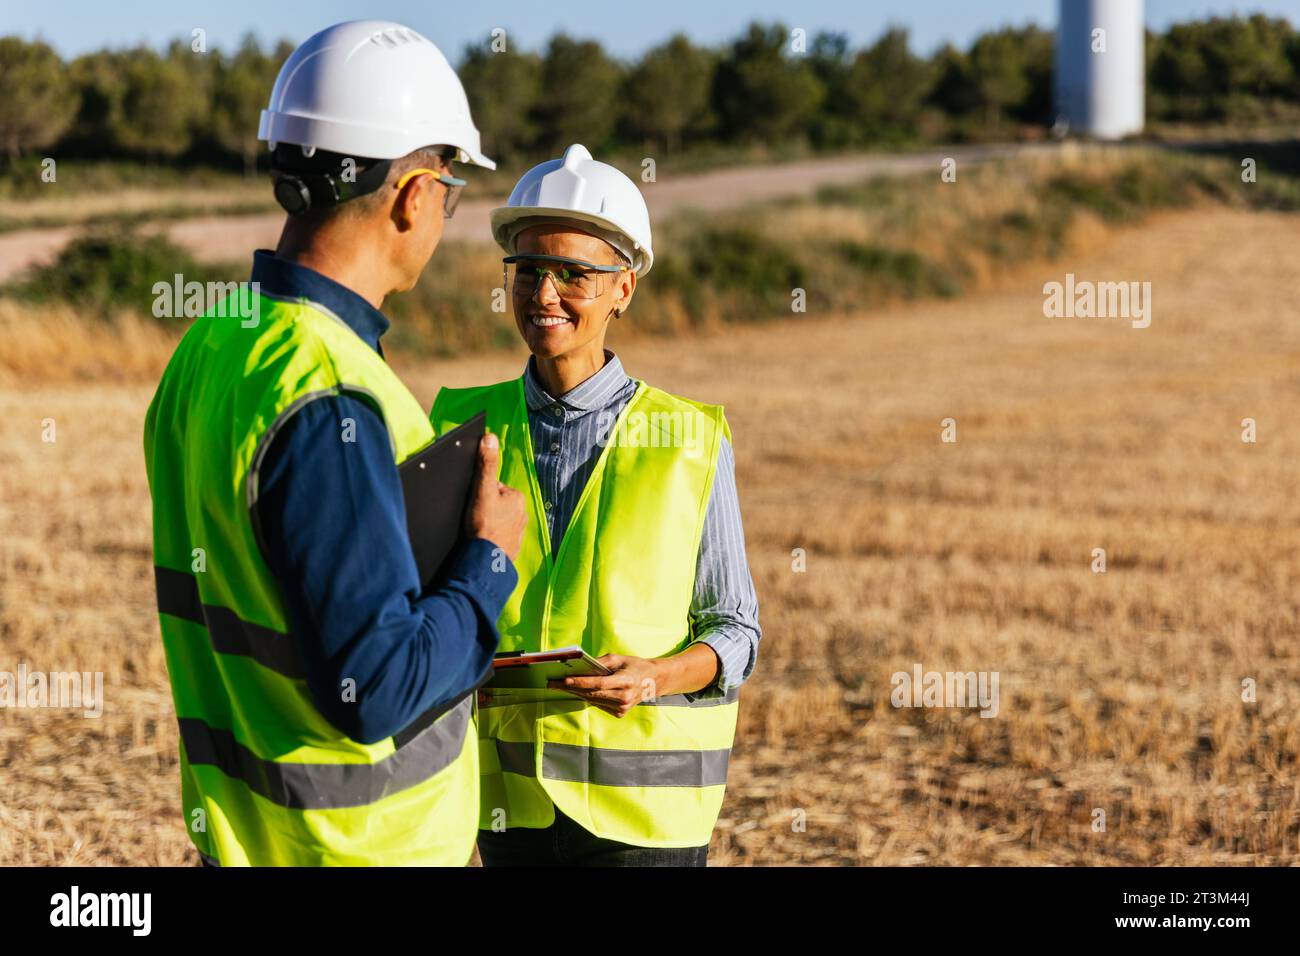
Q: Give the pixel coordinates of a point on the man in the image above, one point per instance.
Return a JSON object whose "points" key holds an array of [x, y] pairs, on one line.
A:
{"points": [[634, 551], [325, 703]]}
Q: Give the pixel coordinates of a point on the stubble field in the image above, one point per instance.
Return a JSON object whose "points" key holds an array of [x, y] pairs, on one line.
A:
{"points": [[1120, 691]]}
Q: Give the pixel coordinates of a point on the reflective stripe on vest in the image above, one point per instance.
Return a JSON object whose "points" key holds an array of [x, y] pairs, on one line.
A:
{"points": [[617, 768], [178, 595], [319, 786], [620, 582], [265, 778]]}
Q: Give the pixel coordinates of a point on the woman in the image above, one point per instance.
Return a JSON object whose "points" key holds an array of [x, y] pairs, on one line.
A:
{"points": [[634, 551]]}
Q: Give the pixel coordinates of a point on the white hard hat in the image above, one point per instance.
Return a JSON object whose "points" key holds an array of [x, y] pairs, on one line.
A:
{"points": [[579, 189], [372, 89]]}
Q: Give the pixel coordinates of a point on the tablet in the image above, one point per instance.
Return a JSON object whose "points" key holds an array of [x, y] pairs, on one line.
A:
{"points": [[519, 677], [535, 668]]}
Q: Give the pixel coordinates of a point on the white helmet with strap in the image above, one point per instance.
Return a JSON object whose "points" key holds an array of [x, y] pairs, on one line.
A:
{"points": [[595, 196], [373, 89]]}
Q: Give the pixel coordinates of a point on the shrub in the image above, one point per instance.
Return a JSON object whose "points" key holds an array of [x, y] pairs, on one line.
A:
{"points": [[885, 272], [99, 271]]}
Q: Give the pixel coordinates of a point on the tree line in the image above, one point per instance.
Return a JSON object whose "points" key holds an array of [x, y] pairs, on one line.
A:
{"points": [[770, 85]]}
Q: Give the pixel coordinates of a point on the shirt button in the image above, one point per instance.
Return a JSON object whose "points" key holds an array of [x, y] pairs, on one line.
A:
{"points": [[548, 506], [555, 446], [559, 412]]}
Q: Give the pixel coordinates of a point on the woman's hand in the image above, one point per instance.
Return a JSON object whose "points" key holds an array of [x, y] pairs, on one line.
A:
{"points": [[634, 679], [639, 679]]}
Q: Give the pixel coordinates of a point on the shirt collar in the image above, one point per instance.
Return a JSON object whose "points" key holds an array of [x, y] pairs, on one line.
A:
{"points": [[291, 280], [596, 392]]}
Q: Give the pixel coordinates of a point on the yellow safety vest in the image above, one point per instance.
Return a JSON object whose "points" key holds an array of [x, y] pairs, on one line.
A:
{"points": [[621, 582], [265, 779]]}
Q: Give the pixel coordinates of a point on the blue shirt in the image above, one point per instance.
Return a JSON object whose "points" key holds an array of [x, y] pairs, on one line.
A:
{"points": [[334, 524], [568, 433]]}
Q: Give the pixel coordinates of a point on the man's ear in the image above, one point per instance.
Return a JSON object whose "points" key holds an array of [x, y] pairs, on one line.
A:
{"points": [[410, 201]]}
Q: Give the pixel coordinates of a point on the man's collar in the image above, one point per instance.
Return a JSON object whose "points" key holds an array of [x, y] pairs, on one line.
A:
{"points": [[594, 393], [289, 279]]}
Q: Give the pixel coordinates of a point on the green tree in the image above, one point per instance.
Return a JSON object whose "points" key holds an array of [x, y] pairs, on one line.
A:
{"points": [[100, 86], [953, 91], [241, 89], [159, 104], [1208, 69], [578, 103], [1179, 75], [1248, 56], [763, 94], [502, 89], [837, 123], [40, 99], [887, 85], [1038, 52], [667, 92], [999, 74]]}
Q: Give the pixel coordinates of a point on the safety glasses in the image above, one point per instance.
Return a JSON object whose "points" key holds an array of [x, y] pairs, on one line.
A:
{"points": [[573, 278], [451, 199]]}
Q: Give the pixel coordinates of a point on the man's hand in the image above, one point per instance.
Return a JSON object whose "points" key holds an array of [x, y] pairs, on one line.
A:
{"points": [[497, 511]]}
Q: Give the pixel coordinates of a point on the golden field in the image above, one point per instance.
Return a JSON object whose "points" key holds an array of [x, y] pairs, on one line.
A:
{"points": [[1121, 691]]}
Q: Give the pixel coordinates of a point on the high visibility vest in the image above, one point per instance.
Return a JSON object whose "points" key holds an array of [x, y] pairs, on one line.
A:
{"points": [[265, 778], [620, 582]]}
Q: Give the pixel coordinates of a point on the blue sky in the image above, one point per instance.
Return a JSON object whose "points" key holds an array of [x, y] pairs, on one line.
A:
{"points": [[626, 29]]}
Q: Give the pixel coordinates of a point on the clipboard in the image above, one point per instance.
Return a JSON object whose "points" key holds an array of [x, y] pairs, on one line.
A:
{"points": [[436, 483]]}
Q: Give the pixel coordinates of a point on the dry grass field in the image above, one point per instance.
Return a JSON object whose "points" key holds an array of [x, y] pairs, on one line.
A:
{"points": [[1121, 691]]}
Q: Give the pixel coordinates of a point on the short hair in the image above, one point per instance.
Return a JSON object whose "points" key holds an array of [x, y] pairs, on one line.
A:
{"points": [[433, 157]]}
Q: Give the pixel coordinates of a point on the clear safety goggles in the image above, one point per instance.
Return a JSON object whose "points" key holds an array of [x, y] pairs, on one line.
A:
{"points": [[573, 278]]}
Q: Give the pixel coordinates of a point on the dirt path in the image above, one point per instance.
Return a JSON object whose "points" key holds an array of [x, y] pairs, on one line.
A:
{"points": [[231, 238]]}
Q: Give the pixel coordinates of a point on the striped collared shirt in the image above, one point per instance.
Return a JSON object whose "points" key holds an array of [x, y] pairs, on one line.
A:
{"points": [[566, 433]]}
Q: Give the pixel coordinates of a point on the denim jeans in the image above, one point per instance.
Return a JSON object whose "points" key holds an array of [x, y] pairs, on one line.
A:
{"points": [[566, 843]]}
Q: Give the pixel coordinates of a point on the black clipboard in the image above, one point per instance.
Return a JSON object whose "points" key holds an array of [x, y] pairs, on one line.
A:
{"points": [[436, 483]]}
